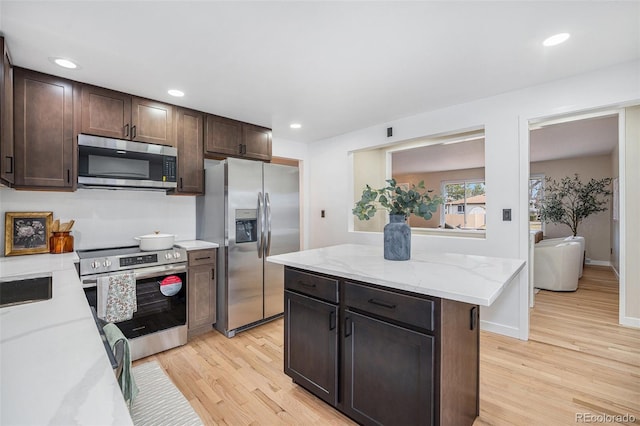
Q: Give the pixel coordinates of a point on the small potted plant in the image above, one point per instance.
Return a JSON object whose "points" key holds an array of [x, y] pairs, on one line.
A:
{"points": [[401, 203]]}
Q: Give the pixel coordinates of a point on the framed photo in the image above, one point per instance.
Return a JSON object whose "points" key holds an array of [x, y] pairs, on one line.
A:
{"points": [[27, 232]]}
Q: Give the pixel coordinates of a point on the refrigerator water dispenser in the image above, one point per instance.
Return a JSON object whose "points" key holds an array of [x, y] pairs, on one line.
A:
{"points": [[246, 226]]}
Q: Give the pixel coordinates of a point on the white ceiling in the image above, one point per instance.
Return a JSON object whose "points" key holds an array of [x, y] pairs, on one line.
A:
{"points": [[333, 66]]}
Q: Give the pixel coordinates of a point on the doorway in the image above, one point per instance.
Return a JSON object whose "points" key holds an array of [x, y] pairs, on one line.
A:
{"points": [[582, 147]]}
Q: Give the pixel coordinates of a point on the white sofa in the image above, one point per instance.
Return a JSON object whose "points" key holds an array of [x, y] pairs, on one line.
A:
{"points": [[556, 266], [555, 241]]}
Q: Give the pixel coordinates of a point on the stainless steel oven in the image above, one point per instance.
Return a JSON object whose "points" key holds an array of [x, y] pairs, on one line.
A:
{"points": [[160, 320]]}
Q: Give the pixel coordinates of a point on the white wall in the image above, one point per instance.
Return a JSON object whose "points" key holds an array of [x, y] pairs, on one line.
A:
{"points": [[505, 119], [108, 218]]}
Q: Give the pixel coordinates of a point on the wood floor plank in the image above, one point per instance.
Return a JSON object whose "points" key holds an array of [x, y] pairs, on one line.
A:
{"points": [[578, 360]]}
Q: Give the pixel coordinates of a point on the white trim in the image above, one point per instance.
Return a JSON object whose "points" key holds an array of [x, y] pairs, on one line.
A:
{"points": [[500, 329], [597, 262], [615, 271], [630, 322], [622, 252], [527, 295]]}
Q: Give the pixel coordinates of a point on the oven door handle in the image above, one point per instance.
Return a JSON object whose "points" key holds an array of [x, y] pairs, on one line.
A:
{"points": [[158, 271]]}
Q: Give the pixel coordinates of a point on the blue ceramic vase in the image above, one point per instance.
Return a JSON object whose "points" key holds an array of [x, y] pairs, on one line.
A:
{"points": [[397, 238]]}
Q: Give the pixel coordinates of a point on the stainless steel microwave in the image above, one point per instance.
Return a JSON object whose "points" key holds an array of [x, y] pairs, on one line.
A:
{"points": [[116, 163]]}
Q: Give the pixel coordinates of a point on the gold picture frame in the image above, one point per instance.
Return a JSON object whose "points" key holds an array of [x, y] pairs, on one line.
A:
{"points": [[27, 232]]}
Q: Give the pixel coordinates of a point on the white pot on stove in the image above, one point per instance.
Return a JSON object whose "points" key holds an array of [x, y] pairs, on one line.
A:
{"points": [[156, 241]]}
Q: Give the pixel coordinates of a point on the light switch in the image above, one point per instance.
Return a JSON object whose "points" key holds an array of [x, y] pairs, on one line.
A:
{"points": [[506, 215]]}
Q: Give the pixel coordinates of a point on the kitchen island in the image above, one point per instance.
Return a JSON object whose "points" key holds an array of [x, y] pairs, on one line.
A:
{"points": [[389, 342], [53, 365]]}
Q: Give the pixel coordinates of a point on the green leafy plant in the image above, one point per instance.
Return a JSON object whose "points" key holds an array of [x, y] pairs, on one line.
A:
{"points": [[397, 200], [570, 201]]}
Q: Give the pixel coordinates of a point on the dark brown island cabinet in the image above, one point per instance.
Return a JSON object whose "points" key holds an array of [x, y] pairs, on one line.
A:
{"points": [[43, 131], [382, 356], [201, 291], [122, 116]]}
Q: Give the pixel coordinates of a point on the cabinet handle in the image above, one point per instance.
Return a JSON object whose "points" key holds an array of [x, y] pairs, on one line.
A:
{"points": [[347, 327], [213, 274], [382, 303], [10, 158], [133, 132], [181, 187], [303, 284], [474, 318], [126, 130], [240, 148], [68, 175], [244, 148], [203, 258], [332, 320]]}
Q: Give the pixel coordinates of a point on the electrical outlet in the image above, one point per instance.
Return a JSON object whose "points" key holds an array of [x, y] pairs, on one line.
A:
{"points": [[389, 132], [321, 213], [506, 215]]}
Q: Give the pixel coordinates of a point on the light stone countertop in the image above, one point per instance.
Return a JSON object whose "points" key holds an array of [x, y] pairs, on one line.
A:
{"points": [[53, 364], [196, 245], [465, 278]]}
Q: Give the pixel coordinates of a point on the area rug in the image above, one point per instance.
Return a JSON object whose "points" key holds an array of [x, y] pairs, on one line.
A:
{"points": [[159, 402]]}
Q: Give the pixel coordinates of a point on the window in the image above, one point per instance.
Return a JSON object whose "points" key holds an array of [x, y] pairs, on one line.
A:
{"points": [[465, 205], [451, 157], [536, 194]]}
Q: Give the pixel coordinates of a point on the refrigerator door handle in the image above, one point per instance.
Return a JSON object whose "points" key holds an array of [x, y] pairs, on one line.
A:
{"points": [[260, 230], [267, 206]]}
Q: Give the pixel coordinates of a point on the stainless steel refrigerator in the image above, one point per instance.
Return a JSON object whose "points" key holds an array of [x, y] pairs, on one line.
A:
{"points": [[252, 210]]}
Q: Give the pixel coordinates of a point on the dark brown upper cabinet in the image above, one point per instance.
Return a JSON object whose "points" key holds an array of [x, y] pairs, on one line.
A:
{"points": [[44, 131], [7, 159], [119, 115], [227, 137], [190, 151]]}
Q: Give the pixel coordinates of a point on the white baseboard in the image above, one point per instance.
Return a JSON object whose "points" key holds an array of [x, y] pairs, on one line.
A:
{"points": [[597, 262], [615, 271], [505, 330], [630, 322]]}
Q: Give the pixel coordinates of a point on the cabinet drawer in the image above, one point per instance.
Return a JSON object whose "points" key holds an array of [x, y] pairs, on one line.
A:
{"points": [[406, 309], [311, 285], [201, 257]]}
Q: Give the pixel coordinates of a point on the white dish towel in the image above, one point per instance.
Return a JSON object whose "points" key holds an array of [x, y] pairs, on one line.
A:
{"points": [[117, 297]]}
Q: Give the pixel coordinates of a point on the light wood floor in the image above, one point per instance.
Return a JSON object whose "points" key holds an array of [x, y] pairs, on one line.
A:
{"points": [[577, 361]]}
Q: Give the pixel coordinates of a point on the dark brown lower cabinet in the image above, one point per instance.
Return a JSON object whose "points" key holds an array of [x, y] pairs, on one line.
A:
{"points": [[311, 333], [382, 356], [388, 372]]}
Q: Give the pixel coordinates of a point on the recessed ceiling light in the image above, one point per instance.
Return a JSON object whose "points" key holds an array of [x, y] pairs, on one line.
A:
{"points": [[295, 125], [556, 39], [175, 92], [65, 63]]}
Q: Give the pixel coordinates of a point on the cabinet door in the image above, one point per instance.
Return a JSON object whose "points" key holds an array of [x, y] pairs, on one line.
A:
{"points": [[7, 159], [152, 122], [190, 151], [202, 298], [388, 373], [43, 130], [106, 113], [257, 142], [311, 345], [223, 136]]}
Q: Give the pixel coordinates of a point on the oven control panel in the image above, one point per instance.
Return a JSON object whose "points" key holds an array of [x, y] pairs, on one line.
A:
{"points": [[138, 260], [119, 262]]}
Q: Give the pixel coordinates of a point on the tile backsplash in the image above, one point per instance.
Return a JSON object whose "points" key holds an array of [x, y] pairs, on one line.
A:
{"points": [[108, 218]]}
